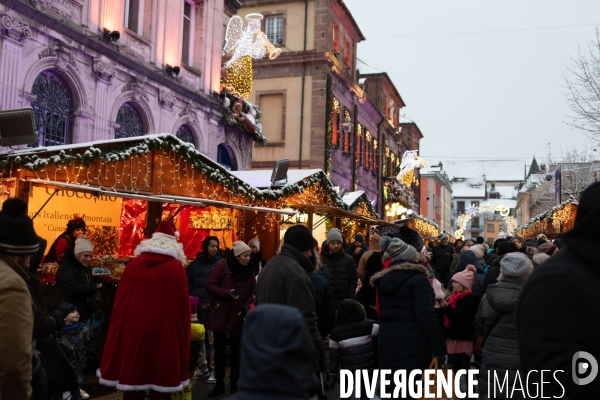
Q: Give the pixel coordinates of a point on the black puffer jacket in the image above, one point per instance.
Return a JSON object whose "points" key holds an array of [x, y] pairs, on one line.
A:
{"points": [[343, 274], [408, 328], [366, 295], [324, 306], [441, 259], [75, 283], [501, 348], [462, 317], [351, 342], [197, 274], [277, 356]]}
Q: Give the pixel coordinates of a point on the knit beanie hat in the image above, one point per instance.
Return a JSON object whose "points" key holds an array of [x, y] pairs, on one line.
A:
{"points": [[479, 250], [412, 237], [547, 248], [300, 237], [399, 250], [515, 265], [76, 223], [255, 242], [506, 248], [66, 308], [384, 242], [83, 244], [359, 238], [466, 277], [539, 259], [239, 247], [334, 234], [17, 235]]}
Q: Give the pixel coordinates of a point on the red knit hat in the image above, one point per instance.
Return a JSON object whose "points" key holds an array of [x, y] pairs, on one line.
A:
{"points": [[466, 276]]}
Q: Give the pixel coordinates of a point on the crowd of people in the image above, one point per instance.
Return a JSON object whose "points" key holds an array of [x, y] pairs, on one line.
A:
{"points": [[294, 321]]}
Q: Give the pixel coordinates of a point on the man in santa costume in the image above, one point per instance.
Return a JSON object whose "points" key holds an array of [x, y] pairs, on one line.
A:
{"points": [[148, 341]]}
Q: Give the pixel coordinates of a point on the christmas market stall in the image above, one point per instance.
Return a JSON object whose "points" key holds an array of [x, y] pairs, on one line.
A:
{"points": [[312, 196], [551, 223]]}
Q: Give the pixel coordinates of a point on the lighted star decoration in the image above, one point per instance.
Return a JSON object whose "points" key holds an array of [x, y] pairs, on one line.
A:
{"points": [[241, 46]]}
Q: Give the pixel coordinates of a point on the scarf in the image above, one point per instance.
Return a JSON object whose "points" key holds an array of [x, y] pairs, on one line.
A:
{"points": [[454, 298], [243, 271], [71, 328]]}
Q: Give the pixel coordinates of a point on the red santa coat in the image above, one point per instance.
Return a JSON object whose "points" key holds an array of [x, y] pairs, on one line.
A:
{"points": [[148, 342]]}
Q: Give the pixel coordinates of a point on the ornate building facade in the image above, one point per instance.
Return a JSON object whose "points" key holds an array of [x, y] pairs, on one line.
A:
{"points": [[106, 69]]}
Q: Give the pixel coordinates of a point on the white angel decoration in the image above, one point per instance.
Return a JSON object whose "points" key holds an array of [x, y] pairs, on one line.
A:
{"points": [[241, 46], [410, 161]]}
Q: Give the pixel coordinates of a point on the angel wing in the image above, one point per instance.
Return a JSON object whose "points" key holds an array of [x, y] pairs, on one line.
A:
{"points": [[233, 34]]}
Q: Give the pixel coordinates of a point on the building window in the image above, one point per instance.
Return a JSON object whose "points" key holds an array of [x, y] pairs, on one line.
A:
{"points": [[460, 207], [335, 129], [185, 134], [336, 39], [358, 146], [490, 228], [188, 32], [224, 158], [130, 122], [132, 15], [346, 134], [273, 117], [347, 54], [52, 110], [274, 29], [368, 149]]}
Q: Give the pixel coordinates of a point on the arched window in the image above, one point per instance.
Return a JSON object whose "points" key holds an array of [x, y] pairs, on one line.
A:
{"points": [[224, 158], [184, 133], [130, 122], [52, 109]]}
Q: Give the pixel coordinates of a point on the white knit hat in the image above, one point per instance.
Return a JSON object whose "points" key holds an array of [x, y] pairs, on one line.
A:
{"points": [[82, 244], [254, 241]]}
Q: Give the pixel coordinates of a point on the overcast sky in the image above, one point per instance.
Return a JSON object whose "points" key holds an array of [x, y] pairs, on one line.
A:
{"points": [[480, 95]]}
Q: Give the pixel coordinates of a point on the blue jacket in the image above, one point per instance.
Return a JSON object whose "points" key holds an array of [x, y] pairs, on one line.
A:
{"points": [[197, 273]]}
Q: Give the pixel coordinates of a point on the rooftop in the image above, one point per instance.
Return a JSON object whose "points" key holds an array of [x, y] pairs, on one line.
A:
{"points": [[261, 179], [469, 187], [494, 170]]}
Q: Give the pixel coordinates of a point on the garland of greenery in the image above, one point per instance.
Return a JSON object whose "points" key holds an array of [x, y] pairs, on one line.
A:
{"points": [[363, 199], [166, 142], [328, 126], [247, 108]]}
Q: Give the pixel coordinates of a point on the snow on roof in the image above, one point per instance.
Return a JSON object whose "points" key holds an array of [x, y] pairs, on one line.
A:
{"points": [[494, 170], [506, 192], [469, 187], [510, 203], [261, 178], [532, 182], [350, 197]]}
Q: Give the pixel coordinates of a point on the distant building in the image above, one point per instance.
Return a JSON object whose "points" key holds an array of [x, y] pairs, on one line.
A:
{"points": [[436, 197]]}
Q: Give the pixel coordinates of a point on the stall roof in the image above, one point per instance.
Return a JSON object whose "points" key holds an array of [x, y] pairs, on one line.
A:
{"points": [[261, 179], [351, 197]]}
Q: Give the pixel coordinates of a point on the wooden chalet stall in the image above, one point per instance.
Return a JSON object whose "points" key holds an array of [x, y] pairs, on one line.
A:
{"points": [[310, 194], [551, 223], [124, 188]]}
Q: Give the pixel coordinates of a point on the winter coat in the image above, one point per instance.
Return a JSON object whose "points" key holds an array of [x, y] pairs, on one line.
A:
{"points": [[276, 355], [441, 259], [558, 314], [75, 283], [258, 261], [500, 352], [367, 294], [223, 311], [197, 274], [373, 248], [351, 342], [409, 332], [492, 274], [148, 340], [284, 280], [462, 316], [324, 305], [343, 276], [58, 247], [16, 329]]}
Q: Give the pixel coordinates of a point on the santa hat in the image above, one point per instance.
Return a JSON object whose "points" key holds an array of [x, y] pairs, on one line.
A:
{"points": [[163, 241]]}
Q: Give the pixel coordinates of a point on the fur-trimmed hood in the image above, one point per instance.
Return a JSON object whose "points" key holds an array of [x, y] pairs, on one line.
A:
{"points": [[401, 266]]}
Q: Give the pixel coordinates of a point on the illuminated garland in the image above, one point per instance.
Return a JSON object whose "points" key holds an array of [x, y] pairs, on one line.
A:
{"points": [[247, 108], [426, 227], [181, 152], [329, 111], [487, 207], [558, 215], [362, 206]]}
